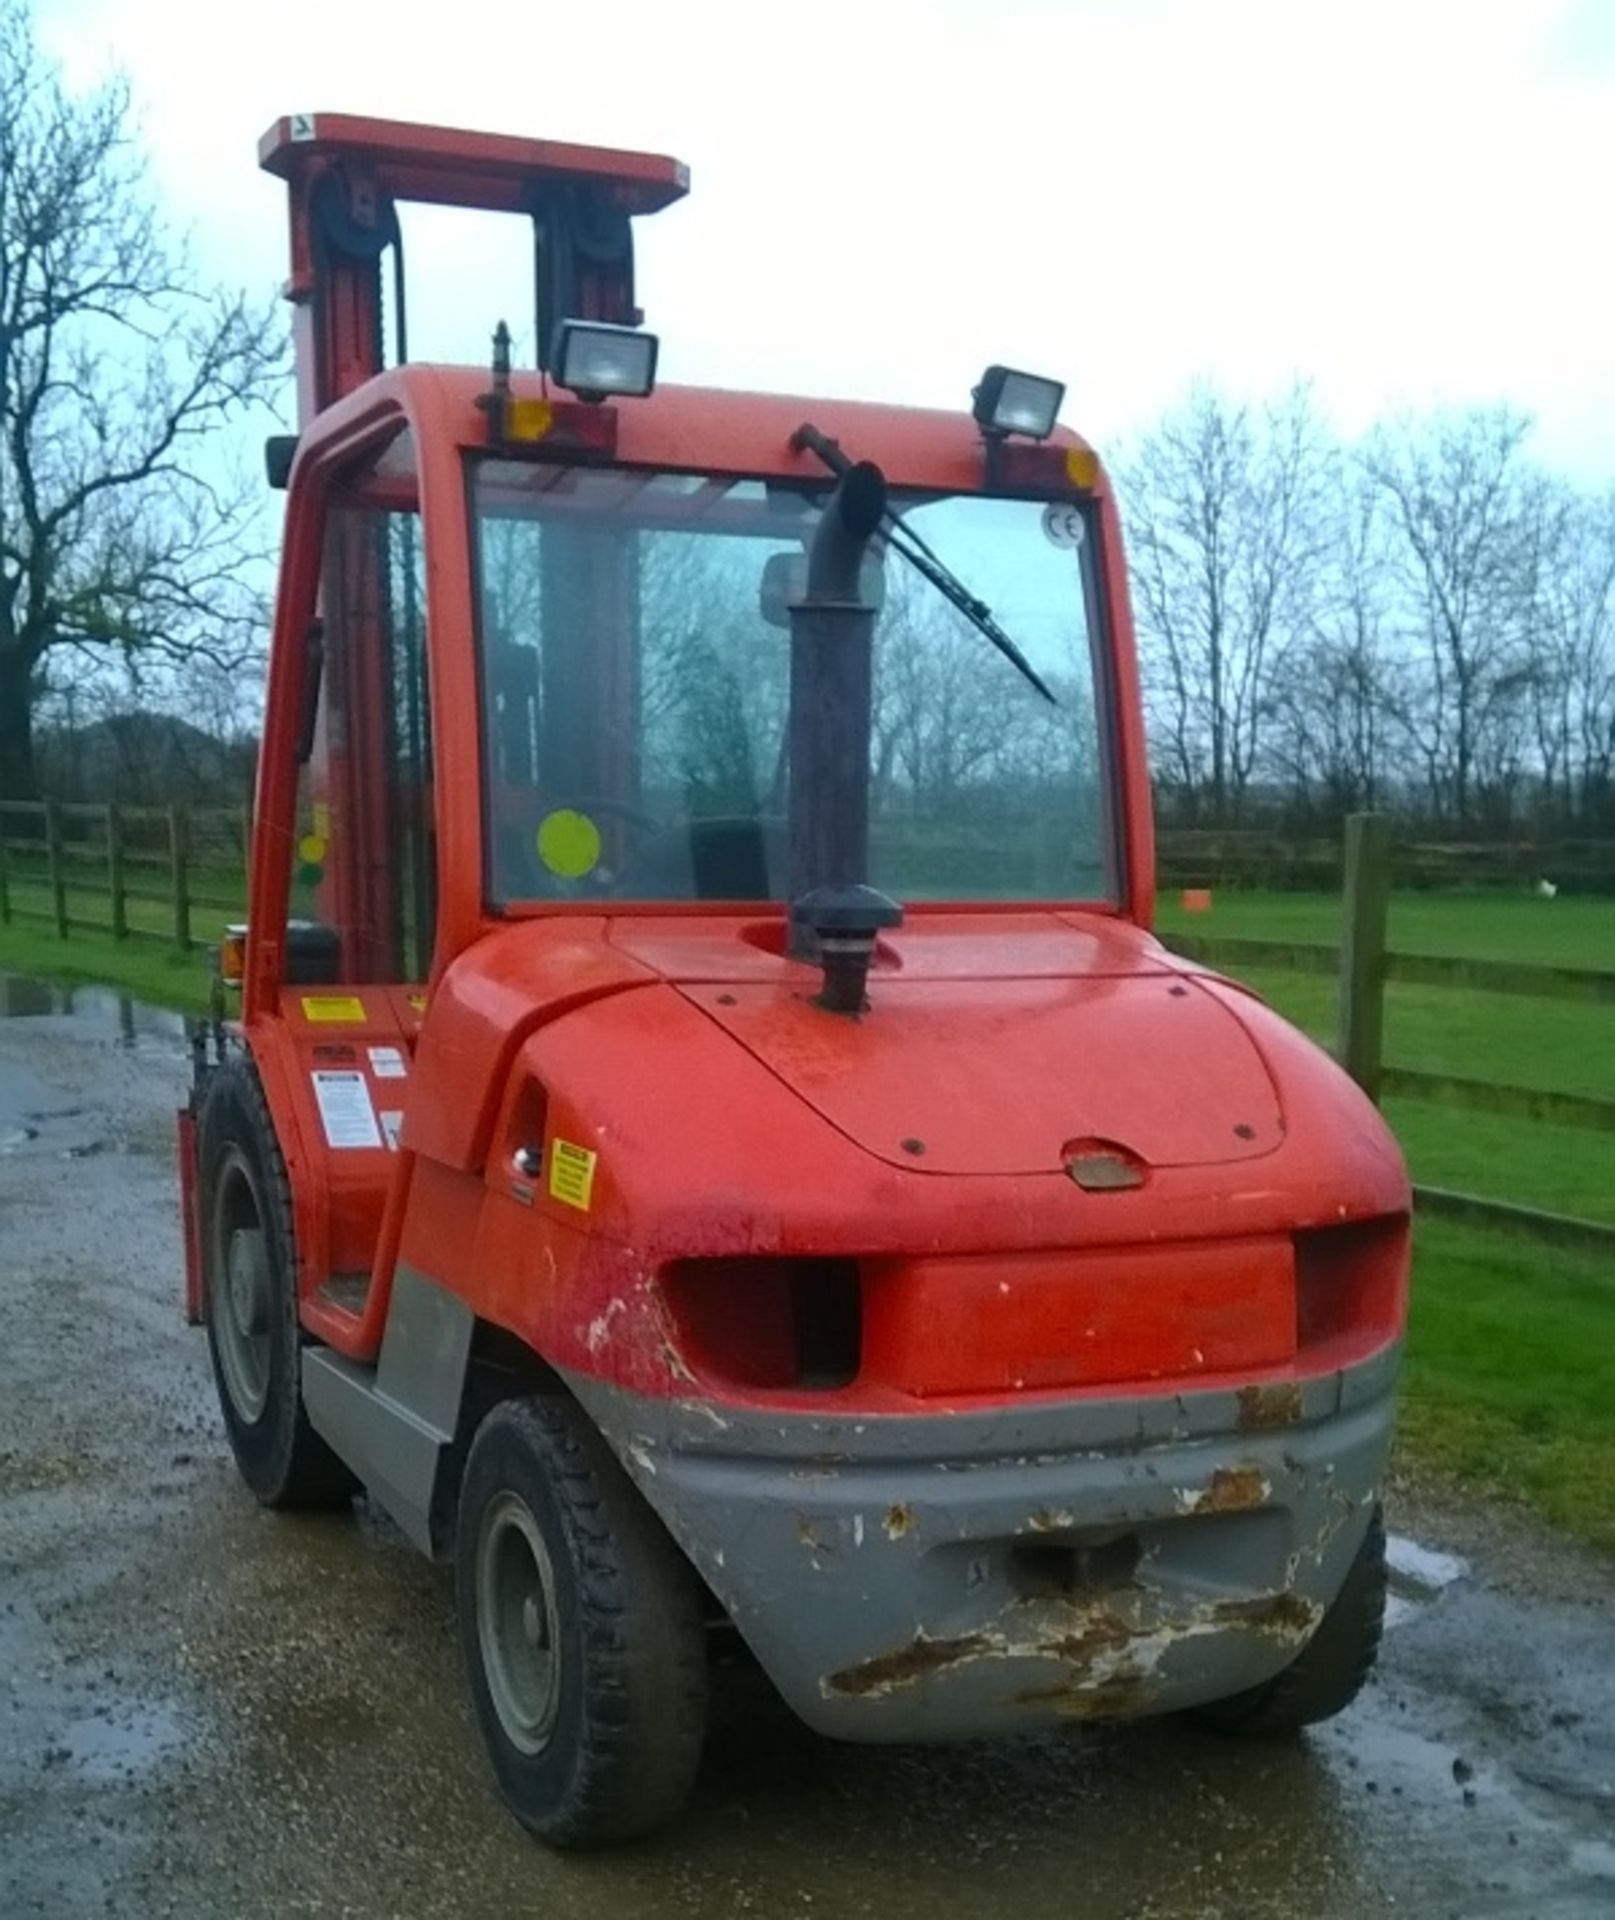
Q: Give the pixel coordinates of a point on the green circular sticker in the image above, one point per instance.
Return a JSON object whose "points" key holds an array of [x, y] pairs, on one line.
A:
{"points": [[568, 843]]}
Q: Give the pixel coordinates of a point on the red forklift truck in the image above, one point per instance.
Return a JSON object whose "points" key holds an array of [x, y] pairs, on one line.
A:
{"points": [[709, 1141]]}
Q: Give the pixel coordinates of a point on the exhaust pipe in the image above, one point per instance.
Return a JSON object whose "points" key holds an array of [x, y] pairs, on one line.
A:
{"points": [[835, 915]]}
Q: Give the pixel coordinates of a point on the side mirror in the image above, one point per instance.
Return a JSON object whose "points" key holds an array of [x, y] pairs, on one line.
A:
{"points": [[280, 450], [785, 581]]}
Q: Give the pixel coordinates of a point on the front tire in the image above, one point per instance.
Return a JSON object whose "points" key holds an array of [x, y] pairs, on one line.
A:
{"points": [[1331, 1669], [581, 1628], [250, 1294]]}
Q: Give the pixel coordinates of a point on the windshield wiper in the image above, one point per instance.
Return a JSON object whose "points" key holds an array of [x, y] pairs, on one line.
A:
{"points": [[906, 540]]}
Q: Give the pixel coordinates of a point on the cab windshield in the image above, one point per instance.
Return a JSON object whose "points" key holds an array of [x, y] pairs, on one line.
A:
{"points": [[634, 646]]}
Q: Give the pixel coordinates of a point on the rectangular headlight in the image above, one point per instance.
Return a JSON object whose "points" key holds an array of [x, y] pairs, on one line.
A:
{"points": [[593, 359], [1011, 402]]}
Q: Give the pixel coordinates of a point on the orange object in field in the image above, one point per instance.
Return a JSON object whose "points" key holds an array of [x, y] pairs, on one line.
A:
{"points": [[1195, 899]]}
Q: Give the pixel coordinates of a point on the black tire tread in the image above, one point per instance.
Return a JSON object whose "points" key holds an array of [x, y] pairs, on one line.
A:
{"points": [[299, 1472], [644, 1694], [1332, 1668]]}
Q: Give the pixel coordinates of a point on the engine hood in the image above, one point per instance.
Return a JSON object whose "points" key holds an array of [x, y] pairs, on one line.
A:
{"points": [[1095, 1035]]}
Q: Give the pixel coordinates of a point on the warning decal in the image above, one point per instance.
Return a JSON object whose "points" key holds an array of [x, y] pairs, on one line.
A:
{"points": [[387, 1063], [346, 1114], [332, 1006], [572, 1174]]}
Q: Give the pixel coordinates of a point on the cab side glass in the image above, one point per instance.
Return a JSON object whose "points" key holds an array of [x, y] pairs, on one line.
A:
{"points": [[363, 871]]}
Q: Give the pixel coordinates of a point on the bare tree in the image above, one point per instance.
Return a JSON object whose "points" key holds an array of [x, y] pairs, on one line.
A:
{"points": [[1571, 641], [1335, 702], [1228, 524], [119, 526], [945, 709], [1458, 490]]}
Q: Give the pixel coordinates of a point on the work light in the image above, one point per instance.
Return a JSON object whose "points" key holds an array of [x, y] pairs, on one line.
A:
{"points": [[1011, 402], [593, 359]]}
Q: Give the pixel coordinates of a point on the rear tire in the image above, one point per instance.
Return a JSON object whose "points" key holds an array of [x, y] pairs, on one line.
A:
{"points": [[581, 1628], [249, 1282], [1329, 1672]]}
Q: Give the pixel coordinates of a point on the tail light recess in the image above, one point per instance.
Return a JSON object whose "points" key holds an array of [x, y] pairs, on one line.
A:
{"points": [[1351, 1284], [768, 1322]]}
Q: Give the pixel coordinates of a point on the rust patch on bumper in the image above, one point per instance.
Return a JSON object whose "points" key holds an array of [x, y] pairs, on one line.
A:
{"points": [[1099, 1633], [908, 1664], [1275, 1406], [1121, 1696], [1285, 1615], [1112, 1661], [899, 1520], [1233, 1490], [810, 1538]]}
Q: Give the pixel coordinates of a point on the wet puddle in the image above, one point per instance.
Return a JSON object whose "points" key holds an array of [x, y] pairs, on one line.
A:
{"points": [[93, 1013], [121, 1742], [1418, 1575], [37, 1118]]}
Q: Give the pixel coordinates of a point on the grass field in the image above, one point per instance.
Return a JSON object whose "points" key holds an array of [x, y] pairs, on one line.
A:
{"points": [[1558, 1046], [145, 969], [1511, 1356], [1510, 1380], [1472, 926]]}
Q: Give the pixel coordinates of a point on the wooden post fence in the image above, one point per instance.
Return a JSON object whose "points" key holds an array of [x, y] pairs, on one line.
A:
{"points": [[115, 880], [179, 843], [58, 875], [1362, 949]]}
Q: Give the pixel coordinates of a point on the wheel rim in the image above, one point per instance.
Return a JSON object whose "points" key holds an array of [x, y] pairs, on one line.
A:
{"points": [[240, 1306], [518, 1632]]}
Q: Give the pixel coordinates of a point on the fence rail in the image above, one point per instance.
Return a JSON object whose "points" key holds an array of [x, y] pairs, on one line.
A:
{"points": [[1263, 857], [1558, 1229], [1417, 969], [1365, 964], [1492, 1096], [77, 866]]}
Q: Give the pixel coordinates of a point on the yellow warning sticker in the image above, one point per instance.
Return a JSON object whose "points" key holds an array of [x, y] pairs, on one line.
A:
{"points": [[332, 1006], [572, 1174]]}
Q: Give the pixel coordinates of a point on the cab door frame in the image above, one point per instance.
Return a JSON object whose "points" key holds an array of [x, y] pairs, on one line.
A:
{"points": [[353, 431], [349, 432]]}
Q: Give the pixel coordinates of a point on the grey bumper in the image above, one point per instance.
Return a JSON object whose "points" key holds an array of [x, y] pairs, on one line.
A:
{"points": [[931, 1577]]}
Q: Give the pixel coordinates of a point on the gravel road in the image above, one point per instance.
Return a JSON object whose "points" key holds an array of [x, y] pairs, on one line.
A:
{"points": [[210, 1710]]}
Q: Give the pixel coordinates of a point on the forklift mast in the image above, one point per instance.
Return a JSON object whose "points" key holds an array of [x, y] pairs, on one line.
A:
{"points": [[346, 177]]}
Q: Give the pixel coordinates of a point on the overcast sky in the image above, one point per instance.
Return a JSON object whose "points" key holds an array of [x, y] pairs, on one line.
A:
{"points": [[1408, 200]]}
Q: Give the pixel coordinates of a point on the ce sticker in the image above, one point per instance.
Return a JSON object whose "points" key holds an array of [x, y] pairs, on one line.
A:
{"points": [[1063, 524]]}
